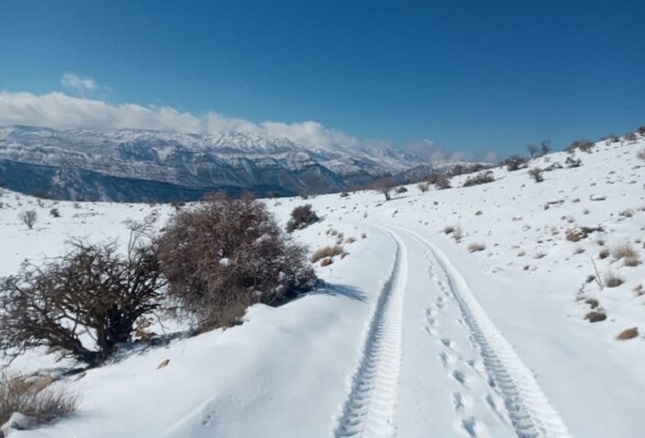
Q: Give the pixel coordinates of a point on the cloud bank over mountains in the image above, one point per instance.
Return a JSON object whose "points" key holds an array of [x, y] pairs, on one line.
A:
{"points": [[61, 111], [77, 108]]}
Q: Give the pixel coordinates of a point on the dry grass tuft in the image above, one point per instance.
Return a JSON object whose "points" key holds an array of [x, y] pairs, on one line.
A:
{"points": [[629, 333], [40, 404], [328, 251], [476, 247], [626, 253]]}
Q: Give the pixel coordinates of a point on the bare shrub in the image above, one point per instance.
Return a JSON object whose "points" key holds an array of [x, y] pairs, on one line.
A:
{"points": [[225, 254], [401, 189], [441, 180], [536, 174], [423, 186], [40, 406], [630, 137], [448, 229], [301, 217], [28, 218], [582, 145], [475, 247], [481, 178], [593, 303], [54, 212], [515, 162], [572, 162], [596, 316], [641, 154], [626, 334], [85, 302], [328, 251]]}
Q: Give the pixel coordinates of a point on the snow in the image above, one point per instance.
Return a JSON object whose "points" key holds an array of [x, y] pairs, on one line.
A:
{"points": [[412, 335]]}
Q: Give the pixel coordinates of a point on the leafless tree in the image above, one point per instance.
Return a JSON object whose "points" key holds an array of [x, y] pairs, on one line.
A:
{"points": [[28, 218], [533, 150], [91, 292], [385, 186]]}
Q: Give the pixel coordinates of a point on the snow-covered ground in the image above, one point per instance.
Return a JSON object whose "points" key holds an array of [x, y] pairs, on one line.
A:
{"points": [[414, 335]]}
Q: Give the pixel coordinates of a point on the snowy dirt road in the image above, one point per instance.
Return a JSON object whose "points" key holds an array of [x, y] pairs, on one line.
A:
{"points": [[433, 363]]}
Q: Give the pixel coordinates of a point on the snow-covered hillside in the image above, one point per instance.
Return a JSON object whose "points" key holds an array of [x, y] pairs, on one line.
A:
{"points": [[140, 165], [457, 312]]}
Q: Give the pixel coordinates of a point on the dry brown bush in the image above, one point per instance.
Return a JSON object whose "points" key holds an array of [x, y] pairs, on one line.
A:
{"points": [[626, 253], [328, 251], [626, 334], [226, 254], [595, 316], [40, 406]]}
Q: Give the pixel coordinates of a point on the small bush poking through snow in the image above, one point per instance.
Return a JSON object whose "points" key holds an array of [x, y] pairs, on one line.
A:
{"points": [[641, 154], [423, 186], [595, 316], [536, 174], [476, 247], [612, 280], [301, 217], [328, 251], [515, 162], [626, 253], [481, 178], [626, 334], [37, 404]]}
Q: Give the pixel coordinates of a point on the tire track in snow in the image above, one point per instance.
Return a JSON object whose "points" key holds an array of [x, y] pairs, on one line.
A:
{"points": [[464, 372], [370, 407], [530, 411]]}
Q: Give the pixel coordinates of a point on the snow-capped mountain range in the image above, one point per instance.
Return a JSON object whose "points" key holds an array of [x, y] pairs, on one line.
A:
{"points": [[140, 165]]}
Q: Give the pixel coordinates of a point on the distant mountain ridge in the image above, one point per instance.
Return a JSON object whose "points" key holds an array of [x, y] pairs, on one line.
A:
{"points": [[140, 165]]}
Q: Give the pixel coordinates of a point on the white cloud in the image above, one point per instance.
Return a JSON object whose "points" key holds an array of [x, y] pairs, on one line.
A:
{"points": [[61, 111], [79, 84]]}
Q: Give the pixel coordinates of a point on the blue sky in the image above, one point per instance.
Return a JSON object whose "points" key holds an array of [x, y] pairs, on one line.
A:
{"points": [[468, 75]]}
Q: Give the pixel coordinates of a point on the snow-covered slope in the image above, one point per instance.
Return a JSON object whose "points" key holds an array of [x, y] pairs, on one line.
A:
{"points": [[137, 165], [414, 335]]}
